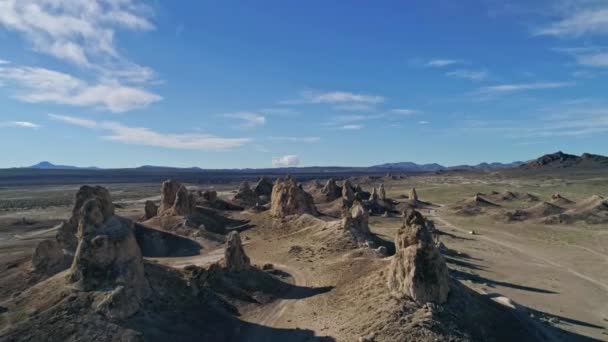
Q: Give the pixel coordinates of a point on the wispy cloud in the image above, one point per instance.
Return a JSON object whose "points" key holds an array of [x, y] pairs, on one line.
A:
{"points": [[352, 127], [336, 98], [589, 56], [118, 132], [440, 63], [286, 161], [422, 122], [20, 124], [3, 61], [404, 111], [247, 119], [584, 20], [468, 74], [296, 139], [80, 32], [37, 85], [519, 87]]}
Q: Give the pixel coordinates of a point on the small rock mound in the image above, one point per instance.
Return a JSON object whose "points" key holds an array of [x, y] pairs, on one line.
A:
{"points": [[235, 258], [418, 270], [108, 260], [290, 199], [560, 200]]}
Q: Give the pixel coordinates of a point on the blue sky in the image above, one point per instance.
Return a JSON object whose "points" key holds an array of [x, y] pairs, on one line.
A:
{"points": [[235, 84]]}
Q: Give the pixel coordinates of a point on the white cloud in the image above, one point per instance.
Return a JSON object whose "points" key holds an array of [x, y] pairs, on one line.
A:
{"points": [[518, 87], [248, 119], [345, 97], [351, 127], [118, 132], [296, 139], [80, 32], [423, 122], [286, 161], [582, 21], [37, 85], [3, 61], [468, 74], [337, 98], [21, 124], [404, 111], [594, 60], [440, 63]]}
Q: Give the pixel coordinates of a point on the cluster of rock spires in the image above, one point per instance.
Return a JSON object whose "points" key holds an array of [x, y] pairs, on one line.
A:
{"points": [[289, 198], [175, 199], [56, 254], [417, 270], [256, 196], [108, 260]]}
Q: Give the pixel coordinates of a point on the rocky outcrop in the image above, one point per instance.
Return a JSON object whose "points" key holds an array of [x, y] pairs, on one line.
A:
{"points": [[374, 196], [382, 193], [108, 262], [290, 199], [235, 258], [418, 270], [54, 255], [175, 199], [209, 195], [356, 221], [168, 192], [150, 210], [348, 195], [263, 187], [245, 196], [331, 190], [184, 202], [413, 195]]}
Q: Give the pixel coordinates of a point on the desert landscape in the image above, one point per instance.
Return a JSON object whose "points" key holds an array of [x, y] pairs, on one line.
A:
{"points": [[457, 255]]}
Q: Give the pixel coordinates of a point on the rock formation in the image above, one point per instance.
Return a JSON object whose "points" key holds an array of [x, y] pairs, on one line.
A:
{"points": [[331, 190], [175, 199], [108, 261], [209, 195], [356, 221], [382, 192], [150, 209], [55, 255], [168, 191], [374, 196], [413, 195], [290, 199], [245, 195], [348, 195], [263, 187], [235, 258], [418, 270]]}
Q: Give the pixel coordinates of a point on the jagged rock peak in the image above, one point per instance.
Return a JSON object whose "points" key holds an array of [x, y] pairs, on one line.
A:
{"points": [[263, 187], [150, 210], [235, 258], [331, 190], [417, 270], [382, 192], [290, 199], [356, 220], [108, 260], [168, 192], [413, 195]]}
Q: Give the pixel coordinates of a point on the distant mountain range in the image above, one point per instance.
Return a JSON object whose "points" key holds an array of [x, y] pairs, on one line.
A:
{"points": [[553, 160], [45, 165], [563, 160], [413, 167]]}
